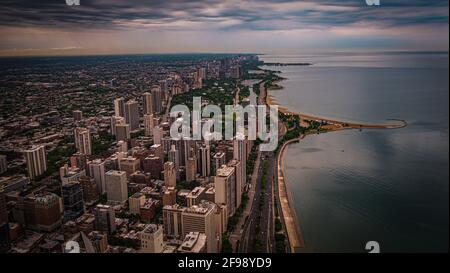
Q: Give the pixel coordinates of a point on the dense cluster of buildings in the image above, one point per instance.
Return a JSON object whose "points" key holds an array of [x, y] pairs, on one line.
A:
{"points": [[144, 192]]}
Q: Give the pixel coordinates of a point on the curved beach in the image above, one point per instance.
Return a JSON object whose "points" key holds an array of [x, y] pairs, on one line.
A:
{"points": [[290, 219]]}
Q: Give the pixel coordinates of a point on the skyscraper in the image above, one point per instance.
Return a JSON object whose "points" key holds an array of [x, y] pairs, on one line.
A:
{"points": [[191, 169], [36, 161], [43, 211], [122, 132], [119, 107], [172, 220], [72, 194], [204, 160], [170, 174], [115, 120], [147, 103], [219, 160], [174, 156], [157, 98], [89, 186], [200, 218], [96, 169], [240, 182], [148, 124], [132, 114], [83, 141], [239, 153], [105, 218], [225, 187], [116, 186]]}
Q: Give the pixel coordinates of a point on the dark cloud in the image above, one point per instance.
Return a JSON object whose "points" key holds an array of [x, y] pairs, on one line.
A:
{"points": [[221, 15]]}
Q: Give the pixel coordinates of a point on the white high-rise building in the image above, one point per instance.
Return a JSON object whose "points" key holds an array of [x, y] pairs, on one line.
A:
{"points": [[149, 124], [132, 114], [83, 141], [147, 103], [116, 186], [36, 160], [225, 187], [239, 153], [152, 239], [96, 170], [119, 107]]}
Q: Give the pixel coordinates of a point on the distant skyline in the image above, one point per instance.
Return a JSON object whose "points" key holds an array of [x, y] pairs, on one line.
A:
{"points": [[50, 27]]}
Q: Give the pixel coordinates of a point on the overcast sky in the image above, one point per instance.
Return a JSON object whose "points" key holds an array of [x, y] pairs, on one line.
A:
{"points": [[33, 27]]}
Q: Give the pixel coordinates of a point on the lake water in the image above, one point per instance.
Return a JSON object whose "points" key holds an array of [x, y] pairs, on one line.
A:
{"points": [[389, 186]]}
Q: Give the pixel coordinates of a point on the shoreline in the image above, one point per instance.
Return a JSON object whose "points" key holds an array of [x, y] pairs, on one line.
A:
{"points": [[290, 219]]}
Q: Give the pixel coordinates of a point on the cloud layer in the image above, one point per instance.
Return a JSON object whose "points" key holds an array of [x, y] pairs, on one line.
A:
{"points": [[208, 25]]}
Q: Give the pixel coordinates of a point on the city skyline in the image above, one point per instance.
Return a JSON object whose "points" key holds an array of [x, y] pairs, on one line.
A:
{"points": [[269, 26]]}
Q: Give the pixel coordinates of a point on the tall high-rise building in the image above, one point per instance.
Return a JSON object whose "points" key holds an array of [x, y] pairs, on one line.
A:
{"points": [[135, 202], [105, 218], [36, 160], [3, 165], [43, 211], [240, 182], [96, 169], [123, 132], [119, 107], [170, 174], [174, 156], [225, 187], [132, 114], [72, 194], [157, 98], [89, 186], [240, 154], [83, 141], [147, 103], [154, 166], [115, 120], [191, 169], [172, 220], [204, 160], [152, 239], [116, 186], [169, 196], [158, 134], [148, 124], [200, 218], [219, 160]]}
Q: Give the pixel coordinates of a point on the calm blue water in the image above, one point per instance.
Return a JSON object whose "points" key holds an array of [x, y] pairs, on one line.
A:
{"points": [[391, 186]]}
